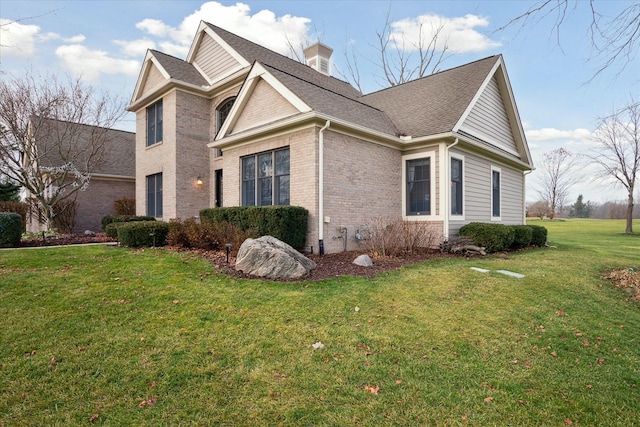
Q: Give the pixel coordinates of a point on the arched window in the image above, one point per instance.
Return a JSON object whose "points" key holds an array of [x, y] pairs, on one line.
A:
{"points": [[223, 111]]}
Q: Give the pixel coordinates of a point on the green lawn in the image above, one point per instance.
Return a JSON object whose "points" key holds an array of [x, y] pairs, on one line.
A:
{"points": [[124, 337]]}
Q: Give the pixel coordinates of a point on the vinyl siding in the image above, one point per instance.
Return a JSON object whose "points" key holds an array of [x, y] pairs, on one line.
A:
{"points": [[213, 60], [477, 193], [488, 120]]}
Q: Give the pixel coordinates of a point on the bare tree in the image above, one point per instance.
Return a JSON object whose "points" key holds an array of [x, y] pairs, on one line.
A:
{"points": [[398, 58], [54, 134], [539, 209], [618, 152], [558, 175], [615, 39]]}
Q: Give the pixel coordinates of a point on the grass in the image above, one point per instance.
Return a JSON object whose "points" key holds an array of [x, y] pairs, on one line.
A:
{"points": [[150, 337]]}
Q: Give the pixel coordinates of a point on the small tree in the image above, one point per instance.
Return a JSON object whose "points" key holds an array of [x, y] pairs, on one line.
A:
{"points": [[558, 175], [618, 152], [539, 209], [53, 135], [581, 209]]}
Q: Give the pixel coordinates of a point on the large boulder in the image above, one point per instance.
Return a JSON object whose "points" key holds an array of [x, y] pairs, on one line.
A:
{"points": [[271, 258]]}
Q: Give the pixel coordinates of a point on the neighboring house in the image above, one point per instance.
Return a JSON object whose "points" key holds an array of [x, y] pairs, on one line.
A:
{"points": [[446, 149], [112, 177]]}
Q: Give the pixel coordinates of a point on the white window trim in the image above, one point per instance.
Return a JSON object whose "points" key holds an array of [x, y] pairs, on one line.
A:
{"points": [[464, 186], [432, 180], [499, 170]]}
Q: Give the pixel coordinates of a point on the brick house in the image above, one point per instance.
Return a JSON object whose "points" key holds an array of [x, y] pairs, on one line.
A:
{"points": [[446, 149], [112, 177]]}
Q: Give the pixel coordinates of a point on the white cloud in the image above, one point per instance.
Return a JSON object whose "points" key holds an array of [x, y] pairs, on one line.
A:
{"points": [[92, 63], [458, 35], [17, 39], [136, 48], [263, 27], [547, 134]]}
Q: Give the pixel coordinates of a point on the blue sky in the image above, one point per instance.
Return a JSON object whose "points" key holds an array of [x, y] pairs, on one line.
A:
{"points": [[105, 42]]}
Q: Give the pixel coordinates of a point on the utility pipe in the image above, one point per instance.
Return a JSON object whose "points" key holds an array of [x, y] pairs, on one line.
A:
{"points": [[321, 187], [447, 198]]}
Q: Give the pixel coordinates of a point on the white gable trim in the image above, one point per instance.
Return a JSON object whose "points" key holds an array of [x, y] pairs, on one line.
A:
{"points": [[257, 73], [204, 28], [149, 59], [499, 71]]}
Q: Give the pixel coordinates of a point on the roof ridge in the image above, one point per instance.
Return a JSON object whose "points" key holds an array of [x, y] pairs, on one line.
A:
{"points": [[321, 87], [434, 74], [293, 61], [82, 124]]}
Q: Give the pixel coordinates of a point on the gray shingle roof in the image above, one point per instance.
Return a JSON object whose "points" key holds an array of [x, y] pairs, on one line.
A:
{"points": [[432, 104], [58, 141], [253, 52], [334, 104], [179, 69]]}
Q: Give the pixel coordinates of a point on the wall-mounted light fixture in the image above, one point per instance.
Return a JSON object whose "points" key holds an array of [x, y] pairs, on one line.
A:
{"points": [[199, 181]]}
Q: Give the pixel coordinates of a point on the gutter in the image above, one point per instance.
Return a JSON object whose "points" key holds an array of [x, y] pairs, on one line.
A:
{"points": [[524, 195], [321, 187], [447, 199]]}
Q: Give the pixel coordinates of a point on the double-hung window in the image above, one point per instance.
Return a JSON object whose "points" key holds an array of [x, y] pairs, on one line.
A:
{"points": [[265, 178], [495, 194], [154, 123], [456, 186], [418, 191], [154, 195]]}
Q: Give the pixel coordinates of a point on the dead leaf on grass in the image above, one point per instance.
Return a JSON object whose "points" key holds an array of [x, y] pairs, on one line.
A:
{"points": [[93, 418], [148, 402], [488, 399], [372, 389]]}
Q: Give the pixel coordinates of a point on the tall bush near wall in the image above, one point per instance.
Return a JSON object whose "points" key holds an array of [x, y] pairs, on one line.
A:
{"points": [[16, 207], [10, 229], [492, 237], [287, 223]]}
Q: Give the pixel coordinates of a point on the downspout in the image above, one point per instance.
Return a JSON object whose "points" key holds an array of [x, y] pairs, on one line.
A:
{"points": [[321, 187], [447, 198], [524, 195]]}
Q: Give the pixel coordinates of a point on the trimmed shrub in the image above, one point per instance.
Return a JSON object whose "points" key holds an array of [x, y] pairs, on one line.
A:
{"points": [[522, 236], [123, 218], [493, 237], [287, 223], [16, 207], [111, 230], [10, 229], [539, 235], [125, 206], [143, 233]]}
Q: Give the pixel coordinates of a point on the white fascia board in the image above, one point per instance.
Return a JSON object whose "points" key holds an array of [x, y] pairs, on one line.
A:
{"points": [[149, 61], [495, 151], [259, 72]]}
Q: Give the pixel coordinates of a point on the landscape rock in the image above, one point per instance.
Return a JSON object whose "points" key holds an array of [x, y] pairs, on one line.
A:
{"points": [[363, 260], [269, 257], [89, 233]]}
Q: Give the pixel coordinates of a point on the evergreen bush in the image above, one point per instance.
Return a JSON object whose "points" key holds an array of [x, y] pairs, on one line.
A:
{"points": [[522, 236], [10, 229], [539, 235], [493, 237], [143, 233], [287, 223]]}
